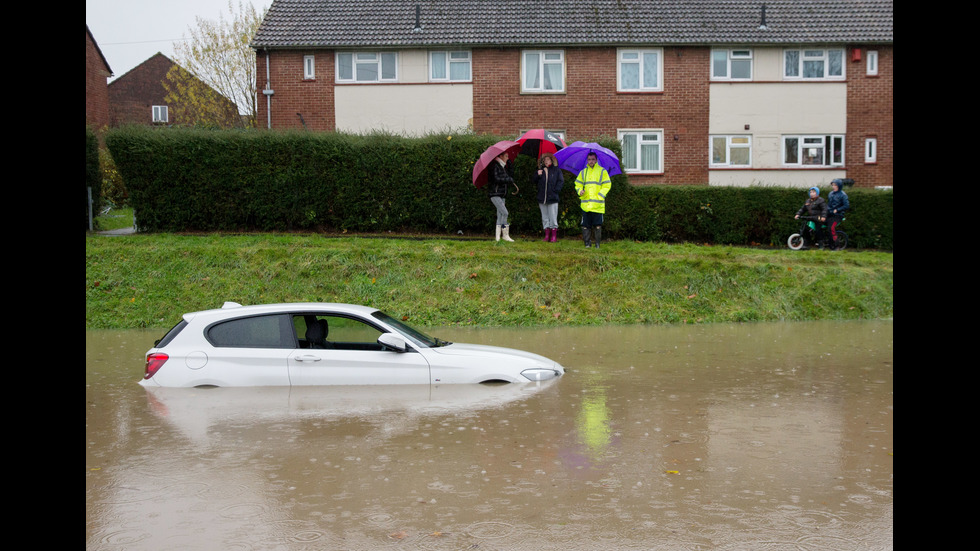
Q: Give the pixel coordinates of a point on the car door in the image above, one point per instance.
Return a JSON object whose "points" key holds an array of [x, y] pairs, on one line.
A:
{"points": [[349, 354], [248, 351]]}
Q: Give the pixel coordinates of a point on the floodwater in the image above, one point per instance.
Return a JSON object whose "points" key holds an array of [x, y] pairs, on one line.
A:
{"points": [[763, 437]]}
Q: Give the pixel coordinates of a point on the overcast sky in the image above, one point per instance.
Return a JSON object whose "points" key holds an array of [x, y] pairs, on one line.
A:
{"points": [[131, 31]]}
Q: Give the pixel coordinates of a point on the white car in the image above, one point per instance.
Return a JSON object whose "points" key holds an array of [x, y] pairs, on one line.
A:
{"points": [[302, 344]]}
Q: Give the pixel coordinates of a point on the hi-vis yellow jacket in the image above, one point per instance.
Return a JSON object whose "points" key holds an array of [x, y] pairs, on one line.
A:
{"points": [[596, 184]]}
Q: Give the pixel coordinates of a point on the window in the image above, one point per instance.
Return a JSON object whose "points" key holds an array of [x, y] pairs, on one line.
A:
{"points": [[543, 71], [814, 64], [731, 64], [453, 66], [254, 332], [338, 332], [642, 150], [308, 68], [367, 67], [160, 113], [815, 151], [872, 62], [640, 70], [871, 150], [731, 151]]}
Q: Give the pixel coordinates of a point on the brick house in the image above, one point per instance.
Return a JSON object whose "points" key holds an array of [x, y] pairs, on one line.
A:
{"points": [[96, 90], [718, 92], [137, 97]]}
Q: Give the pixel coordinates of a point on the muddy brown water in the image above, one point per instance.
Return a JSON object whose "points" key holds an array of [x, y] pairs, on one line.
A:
{"points": [[775, 436]]}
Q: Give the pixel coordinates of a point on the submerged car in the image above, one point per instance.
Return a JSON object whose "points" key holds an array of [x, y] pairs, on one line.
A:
{"points": [[301, 344]]}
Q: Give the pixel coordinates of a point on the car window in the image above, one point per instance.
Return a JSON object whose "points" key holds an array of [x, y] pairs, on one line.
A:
{"points": [[253, 332], [174, 331], [338, 332]]}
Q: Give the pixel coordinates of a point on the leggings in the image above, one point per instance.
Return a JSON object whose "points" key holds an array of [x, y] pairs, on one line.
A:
{"points": [[549, 215], [501, 210]]}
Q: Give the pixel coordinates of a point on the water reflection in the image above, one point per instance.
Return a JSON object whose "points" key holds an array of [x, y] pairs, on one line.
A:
{"points": [[761, 436]]}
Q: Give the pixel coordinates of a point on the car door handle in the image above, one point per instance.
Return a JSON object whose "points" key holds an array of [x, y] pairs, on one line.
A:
{"points": [[307, 358]]}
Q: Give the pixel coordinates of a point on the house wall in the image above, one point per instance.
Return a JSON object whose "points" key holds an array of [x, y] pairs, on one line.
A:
{"points": [[766, 111], [293, 95], [870, 114], [591, 106], [690, 108], [96, 88], [406, 109], [133, 95]]}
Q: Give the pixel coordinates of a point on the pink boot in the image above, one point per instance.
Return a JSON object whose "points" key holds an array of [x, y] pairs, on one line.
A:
{"points": [[547, 235], [554, 235]]}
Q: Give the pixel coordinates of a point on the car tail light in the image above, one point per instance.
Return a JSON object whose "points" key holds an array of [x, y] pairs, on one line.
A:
{"points": [[153, 363]]}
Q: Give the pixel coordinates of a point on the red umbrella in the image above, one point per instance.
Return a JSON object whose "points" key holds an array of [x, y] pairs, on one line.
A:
{"points": [[488, 156], [539, 141]]}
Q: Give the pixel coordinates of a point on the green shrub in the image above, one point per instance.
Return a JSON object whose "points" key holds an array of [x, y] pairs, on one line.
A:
{"points": [[233, 180], [92, 180]]}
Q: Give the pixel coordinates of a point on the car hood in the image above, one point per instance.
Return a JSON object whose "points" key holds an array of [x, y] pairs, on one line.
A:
{"points": [[484, 350]]}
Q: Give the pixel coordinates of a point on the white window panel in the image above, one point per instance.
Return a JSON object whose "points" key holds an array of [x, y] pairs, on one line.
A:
{"points": [[640, 70], [450, 66], [367, 67], [543, 71], [642, 151]]}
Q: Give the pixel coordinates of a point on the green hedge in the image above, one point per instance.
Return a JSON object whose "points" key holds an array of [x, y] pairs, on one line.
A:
{"points": [[93, 175], [214, 180]]}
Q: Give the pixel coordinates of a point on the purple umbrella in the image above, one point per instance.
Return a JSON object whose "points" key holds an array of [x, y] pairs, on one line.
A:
{"points": [[574, 157]]}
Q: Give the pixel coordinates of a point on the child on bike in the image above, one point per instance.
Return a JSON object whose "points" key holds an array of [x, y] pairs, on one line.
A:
{"points": [[837, 205], [815, 207]]}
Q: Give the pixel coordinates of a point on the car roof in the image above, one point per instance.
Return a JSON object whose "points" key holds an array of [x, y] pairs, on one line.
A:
{"points": [[234, 310]]}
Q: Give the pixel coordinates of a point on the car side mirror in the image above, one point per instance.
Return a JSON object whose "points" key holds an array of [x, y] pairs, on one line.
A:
{"points": [[393, 342]]}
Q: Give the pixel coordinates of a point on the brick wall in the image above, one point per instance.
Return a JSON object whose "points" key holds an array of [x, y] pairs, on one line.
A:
{"points": [[96, 89], [870, 114], [591, 106], [133, 95], [313, 99]]}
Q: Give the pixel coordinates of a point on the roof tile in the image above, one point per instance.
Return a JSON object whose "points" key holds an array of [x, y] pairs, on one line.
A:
{"points": [[392, 23]]}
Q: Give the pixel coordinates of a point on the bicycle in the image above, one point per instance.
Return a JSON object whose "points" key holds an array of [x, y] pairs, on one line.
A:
{"points": [[805, 237]]}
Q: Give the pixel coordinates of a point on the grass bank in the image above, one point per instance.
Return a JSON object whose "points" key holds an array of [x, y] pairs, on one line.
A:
{"points": [[150, 280]]}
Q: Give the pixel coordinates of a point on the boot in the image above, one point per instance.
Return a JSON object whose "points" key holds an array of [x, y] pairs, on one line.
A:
{"points": [[547, 235], [585, 237], [498, 232], [554, 235], [506, 234], [597, 232]]}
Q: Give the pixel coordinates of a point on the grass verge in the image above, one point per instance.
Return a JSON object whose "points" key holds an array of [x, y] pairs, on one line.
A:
{"points": [[148, 281]]}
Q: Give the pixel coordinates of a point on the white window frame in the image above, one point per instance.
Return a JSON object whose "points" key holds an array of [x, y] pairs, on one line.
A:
{"points": [[161, 113], [384, 62], [643, 137], [636, 56], [870, 151], [731, 142], [309, 67], [732, 55], [828, 147], [872, 62], [451, 57], [797, 70], [545, 57]]}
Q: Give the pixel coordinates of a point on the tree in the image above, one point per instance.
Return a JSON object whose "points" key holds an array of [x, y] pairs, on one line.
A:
{"points": [[216, 58]]}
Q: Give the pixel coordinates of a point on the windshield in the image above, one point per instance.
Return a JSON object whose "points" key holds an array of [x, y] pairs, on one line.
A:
{"points": [[417, 337]]}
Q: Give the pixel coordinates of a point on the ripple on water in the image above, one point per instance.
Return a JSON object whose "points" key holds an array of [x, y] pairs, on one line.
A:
{"points": [[490, 530]]}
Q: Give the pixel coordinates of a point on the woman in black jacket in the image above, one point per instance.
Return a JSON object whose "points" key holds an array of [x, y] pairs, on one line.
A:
{"points": [[499, 178], [549, 180]]}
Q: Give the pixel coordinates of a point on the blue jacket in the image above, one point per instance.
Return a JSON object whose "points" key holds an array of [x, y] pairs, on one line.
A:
{"points": [[837, 200], [549, 188]]}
